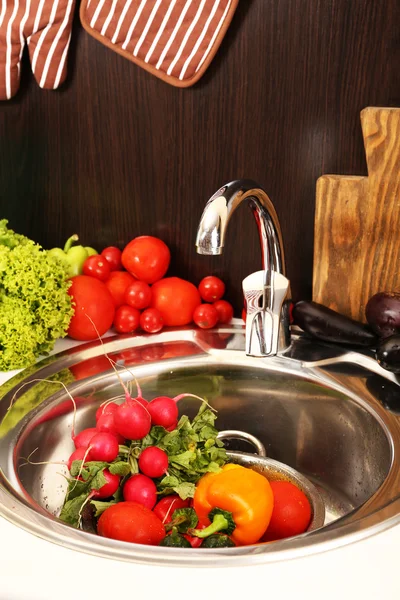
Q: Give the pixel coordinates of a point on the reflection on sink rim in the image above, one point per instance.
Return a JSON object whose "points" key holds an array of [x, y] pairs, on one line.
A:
{"points": [[329, 367]]}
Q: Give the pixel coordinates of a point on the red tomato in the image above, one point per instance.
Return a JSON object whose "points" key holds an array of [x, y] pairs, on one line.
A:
{"points": [[211, 288], [291, 514], [117, 284], [205, 316], [147, 258], [151, 320], [167, 505], [224, 310], [91, 299], [113, 257], [97, 266], [176, 299], [131, 522], [126, 319], [138, 295]]}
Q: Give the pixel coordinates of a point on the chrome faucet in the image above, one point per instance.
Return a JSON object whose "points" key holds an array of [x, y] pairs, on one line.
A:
{"points": [[266, 292]]}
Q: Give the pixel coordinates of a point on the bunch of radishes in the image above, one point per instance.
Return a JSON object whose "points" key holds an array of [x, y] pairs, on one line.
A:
{"points": [[117, 423]]}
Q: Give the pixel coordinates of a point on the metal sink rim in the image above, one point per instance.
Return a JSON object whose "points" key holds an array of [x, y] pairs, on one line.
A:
{"points": [[18, 511]]}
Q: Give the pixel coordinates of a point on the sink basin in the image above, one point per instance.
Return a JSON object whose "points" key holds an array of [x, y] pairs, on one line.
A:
{"points": [[318, 409]]}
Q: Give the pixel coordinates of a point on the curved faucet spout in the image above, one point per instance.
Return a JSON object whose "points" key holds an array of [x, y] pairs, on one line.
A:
{"points": [[218, 211]]}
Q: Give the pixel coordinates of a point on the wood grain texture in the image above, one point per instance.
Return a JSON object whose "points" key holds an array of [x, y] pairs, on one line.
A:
{"points": [[357, 222], [116, 153]]}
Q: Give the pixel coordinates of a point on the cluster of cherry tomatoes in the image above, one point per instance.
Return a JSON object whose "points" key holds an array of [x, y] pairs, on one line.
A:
{"points": [[128, 290]]}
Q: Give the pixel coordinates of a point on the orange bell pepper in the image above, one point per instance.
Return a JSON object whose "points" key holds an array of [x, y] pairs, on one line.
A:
{"points": [[236, 500]]}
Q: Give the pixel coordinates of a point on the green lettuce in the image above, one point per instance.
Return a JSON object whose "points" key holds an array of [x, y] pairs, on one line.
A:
{"points": [[35, 308]]}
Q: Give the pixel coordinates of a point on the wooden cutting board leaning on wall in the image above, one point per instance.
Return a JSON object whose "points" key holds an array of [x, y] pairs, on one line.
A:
{"points": [[357, 222]]}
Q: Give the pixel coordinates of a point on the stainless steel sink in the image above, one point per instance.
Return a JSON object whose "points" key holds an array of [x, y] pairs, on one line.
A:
{"points": [[316, 408]]}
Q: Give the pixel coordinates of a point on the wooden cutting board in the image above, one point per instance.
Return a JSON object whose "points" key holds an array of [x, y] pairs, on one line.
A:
{"points": [[357, 222]]}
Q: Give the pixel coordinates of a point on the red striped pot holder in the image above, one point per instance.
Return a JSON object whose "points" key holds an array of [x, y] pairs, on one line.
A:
{"points": [[173, 39], [45, 26]]}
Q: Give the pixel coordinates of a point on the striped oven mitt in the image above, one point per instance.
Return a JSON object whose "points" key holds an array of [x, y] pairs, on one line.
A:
{"points": [[174, 40], [45, 25]]}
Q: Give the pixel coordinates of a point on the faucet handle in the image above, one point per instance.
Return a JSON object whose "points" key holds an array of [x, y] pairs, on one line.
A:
{"points": [[264, 292]]}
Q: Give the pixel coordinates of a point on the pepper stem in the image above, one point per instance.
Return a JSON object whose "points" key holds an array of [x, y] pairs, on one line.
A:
{"points": [[219, 523], [70, 241]]}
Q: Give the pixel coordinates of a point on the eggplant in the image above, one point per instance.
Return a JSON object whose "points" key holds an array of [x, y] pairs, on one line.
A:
{"points": [[388, 353], [383, 313], [330, 326]]}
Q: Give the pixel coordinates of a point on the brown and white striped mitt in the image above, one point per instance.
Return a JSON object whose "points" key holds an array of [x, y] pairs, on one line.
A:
{"points": [[173, 39], [45, 25]]}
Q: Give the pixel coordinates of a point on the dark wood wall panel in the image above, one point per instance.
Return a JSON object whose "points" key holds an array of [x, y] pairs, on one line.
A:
{"points": [[116, 152]]}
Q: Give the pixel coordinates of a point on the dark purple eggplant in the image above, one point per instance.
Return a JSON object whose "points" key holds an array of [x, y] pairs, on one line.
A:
{"points": [[330, 326], [388, 353], [383, 313]]}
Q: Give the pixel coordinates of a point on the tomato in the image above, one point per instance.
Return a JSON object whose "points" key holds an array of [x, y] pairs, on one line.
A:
{"points": [[205, 316], [167, 505], [113, 257], [211, 288], [117, 284], [147, 258], [151, 320], [93, 306], [126, 319], [176, 299], [291, 514], [224, 310], [131, 522], [138, 295], [97, 266]]}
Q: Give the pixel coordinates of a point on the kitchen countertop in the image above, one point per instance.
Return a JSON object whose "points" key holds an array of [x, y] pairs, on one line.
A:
{"points": [[34, 569]]}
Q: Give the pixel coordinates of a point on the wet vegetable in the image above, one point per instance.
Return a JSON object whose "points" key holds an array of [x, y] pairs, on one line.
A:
{"points": [[218, 540], [383, 313], [330, 326], [388, 353], [237, 501]]}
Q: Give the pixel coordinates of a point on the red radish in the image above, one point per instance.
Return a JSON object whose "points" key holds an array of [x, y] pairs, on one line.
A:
{"points": [[167, 505], [104, 446], [106, 409], [79, 454], [163, 411], [106, 424], [83, 438], [109, 488], [172, 427], [153, 462], [132, 419], [141, 489]]}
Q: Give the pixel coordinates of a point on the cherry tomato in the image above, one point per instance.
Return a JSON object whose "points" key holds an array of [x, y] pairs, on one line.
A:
{"points": [[151, 320], [167, 505], [131, 522], [97, 266], [291, 514], [126, 319], [113, 257], [138, 295], [94, 308], [147, 258], [224, 310], [117, 284], [176, 299], [205, 316], [211, 288], [194, 541]]}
